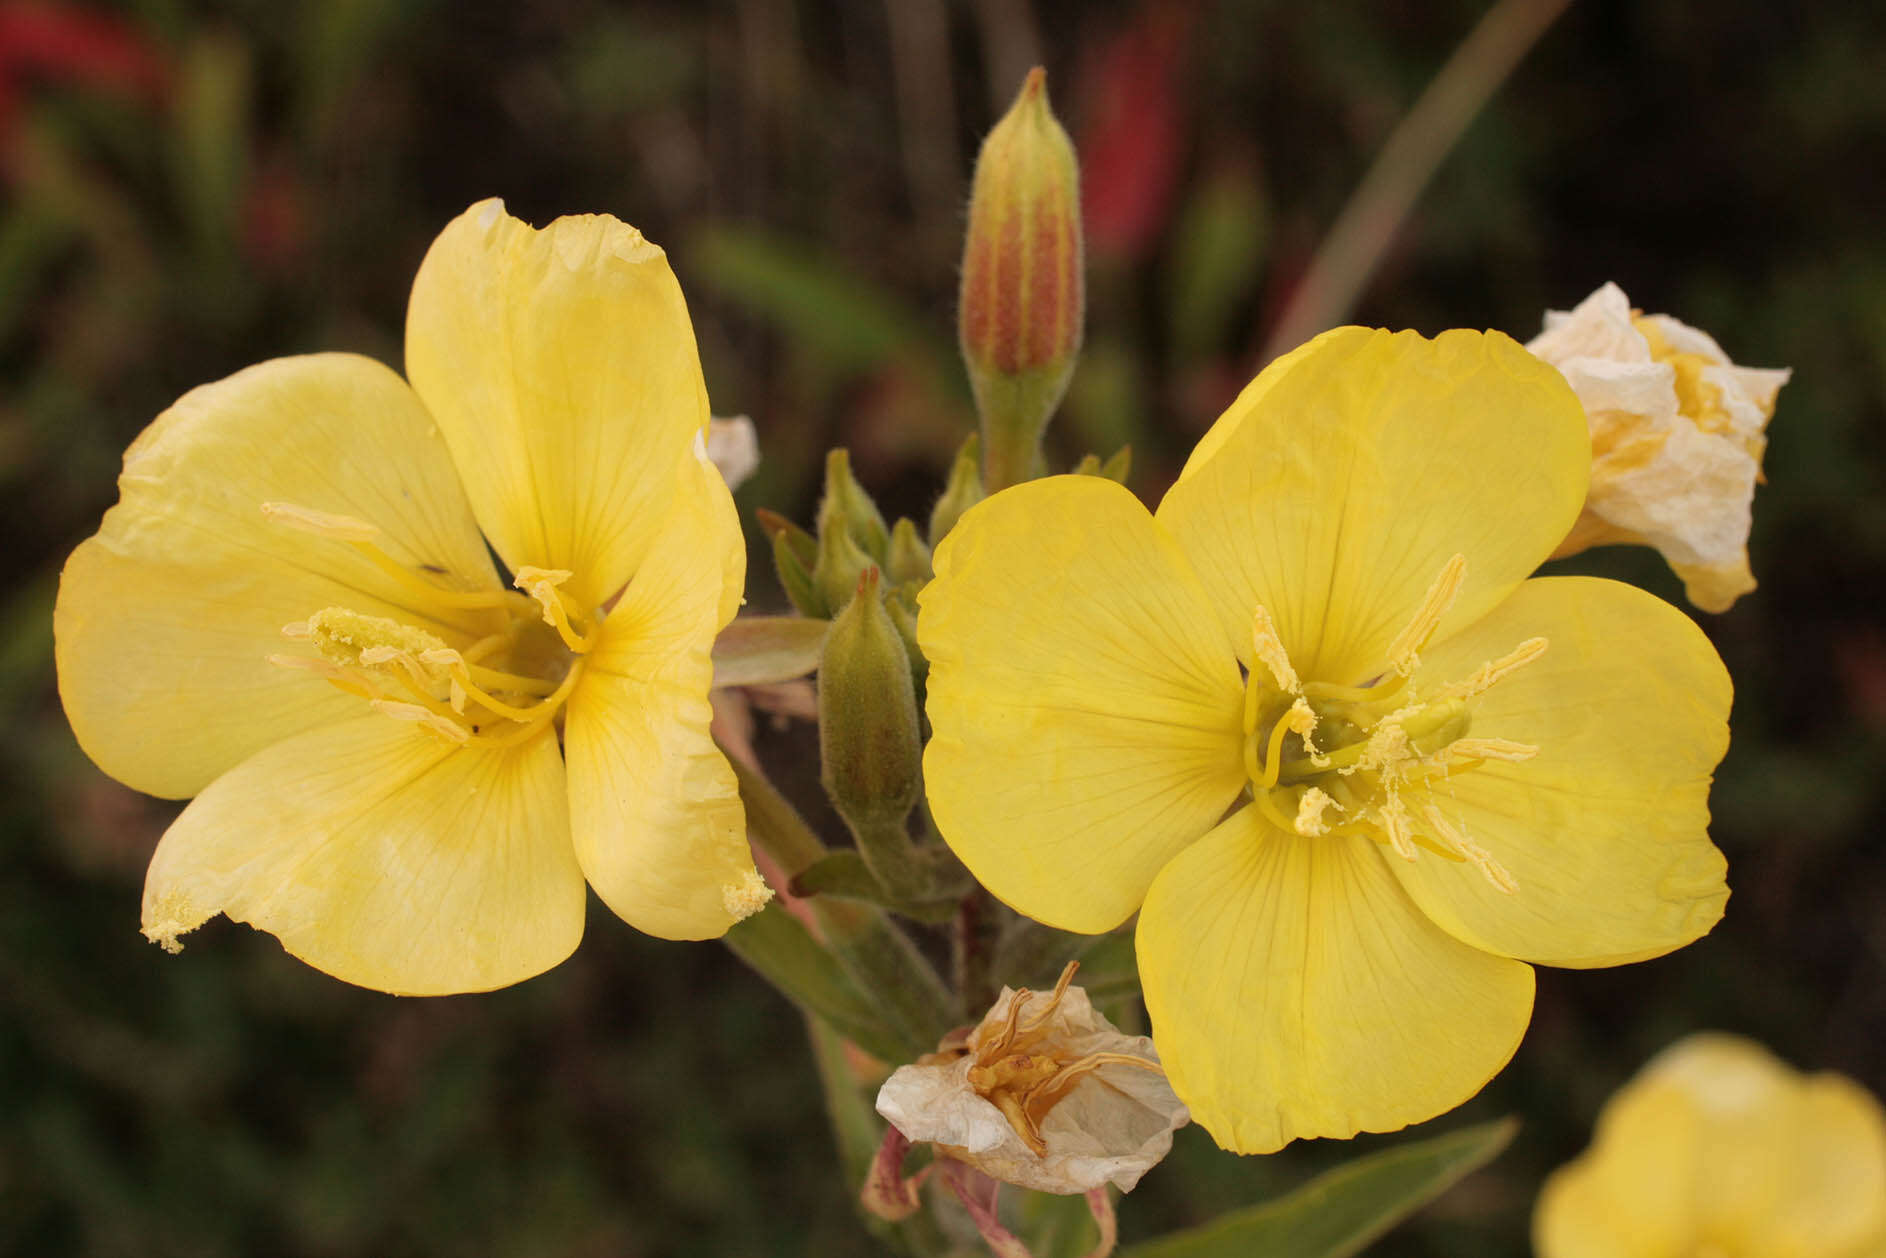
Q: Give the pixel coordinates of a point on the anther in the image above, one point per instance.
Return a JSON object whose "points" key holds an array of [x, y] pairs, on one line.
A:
{"points": [[343, 528], [541, 584], [1471, 852], [1268, 647], [1310, 811], [1434, 605], [1396, 826], [1493, 749], [447, 729], [1485, 677]]}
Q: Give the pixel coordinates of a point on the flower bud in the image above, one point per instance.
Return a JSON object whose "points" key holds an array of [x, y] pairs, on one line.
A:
{"points": [[795, 557], [963, 491], [1021, 306], [846, 505], [869, 743], [841, 562], [909, 557]]}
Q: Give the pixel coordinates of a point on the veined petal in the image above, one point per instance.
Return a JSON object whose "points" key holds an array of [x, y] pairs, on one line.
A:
{"points": [[166, 618], [1606, 829], [1296, 991], [1086, 705], [562, 369], [659, 827], [383, 856], [1345, 478]]}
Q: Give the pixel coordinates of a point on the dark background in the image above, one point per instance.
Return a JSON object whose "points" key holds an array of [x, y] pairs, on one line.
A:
{"points": [[190, 187]]}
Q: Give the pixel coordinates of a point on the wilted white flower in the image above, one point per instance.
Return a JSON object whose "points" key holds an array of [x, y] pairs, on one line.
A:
{"points": [[1043, 1093], [1676, 439]]}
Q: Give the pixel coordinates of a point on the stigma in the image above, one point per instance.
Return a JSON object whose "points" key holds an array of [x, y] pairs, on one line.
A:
{"points": [[1339, 760], [497, 686]]}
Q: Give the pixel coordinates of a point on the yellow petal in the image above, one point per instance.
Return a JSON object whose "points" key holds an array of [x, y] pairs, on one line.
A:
{"points": [[659, 827], [1789, 1166], [1345, 481], [1086, 706], [1296, 991], [166, 618], [562, 369], [383, 856], [1246, 403], [1605, 830], [1632, 1195], [1834, 1197]]}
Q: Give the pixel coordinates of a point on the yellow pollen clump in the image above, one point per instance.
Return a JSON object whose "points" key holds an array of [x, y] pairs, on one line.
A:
{"points": [[495, 691], [1378, 740]]}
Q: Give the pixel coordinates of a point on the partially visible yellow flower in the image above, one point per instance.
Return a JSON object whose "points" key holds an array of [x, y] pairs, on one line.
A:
{"points": [[1719, 1150], [1312, 722], [403, 769], [1676, 439]]}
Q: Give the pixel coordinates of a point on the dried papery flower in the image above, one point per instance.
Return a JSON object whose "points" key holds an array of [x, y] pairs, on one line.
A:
{"points": [[1043, 1093], [1676, 439]]}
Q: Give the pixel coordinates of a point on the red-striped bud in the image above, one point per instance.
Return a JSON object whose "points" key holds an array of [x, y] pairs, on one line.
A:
{"points": [[1022, 299]]}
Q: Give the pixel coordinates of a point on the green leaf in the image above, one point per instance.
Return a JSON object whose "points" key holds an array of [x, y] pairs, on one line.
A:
{"points": [[1340, 1211], [754, 650], [773, 942]]}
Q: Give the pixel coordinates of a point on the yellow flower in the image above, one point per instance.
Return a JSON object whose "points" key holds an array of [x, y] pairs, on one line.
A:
{"points": [[1718, 1150], [1676, 439], [403, 769], [1312, 721]]}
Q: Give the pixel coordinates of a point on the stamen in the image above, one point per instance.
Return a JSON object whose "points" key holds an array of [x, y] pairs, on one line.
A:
{"points": [[1395, 825], [365, 538], [541, 584], [1470, 851], [447, 729], [1310, 811], [1269, 648], [1493, 749], [343, 528], [1434, 605], [1484, 677]]}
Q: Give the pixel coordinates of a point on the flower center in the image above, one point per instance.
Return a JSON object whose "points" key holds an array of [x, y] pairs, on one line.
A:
{"points": [[506, 682], [1328, 759]]}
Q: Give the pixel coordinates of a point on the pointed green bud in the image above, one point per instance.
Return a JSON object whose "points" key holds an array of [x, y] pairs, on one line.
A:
{"points": [[1088, 466], [1022, 300], [840, 565], [963, 491], [847, 505], [795, 557], [910, 558], [870, 745], [1117, 467]]}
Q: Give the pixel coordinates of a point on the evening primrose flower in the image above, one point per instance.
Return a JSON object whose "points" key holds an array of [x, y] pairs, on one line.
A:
{"points": [[1677, 437], [403, 769], [1314, 724], [1717, 1149]]}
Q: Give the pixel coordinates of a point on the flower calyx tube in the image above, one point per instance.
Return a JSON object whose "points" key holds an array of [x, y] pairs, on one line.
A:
{"points": [[1022, 301]]}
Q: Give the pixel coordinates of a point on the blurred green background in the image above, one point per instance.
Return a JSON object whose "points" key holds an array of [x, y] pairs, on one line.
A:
{"points": [[189, 187]]}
